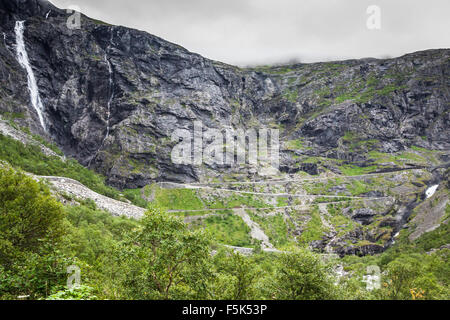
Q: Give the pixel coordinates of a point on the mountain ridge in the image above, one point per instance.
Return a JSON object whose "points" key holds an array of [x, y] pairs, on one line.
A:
{"points": [[152, 73], [113, 96]]}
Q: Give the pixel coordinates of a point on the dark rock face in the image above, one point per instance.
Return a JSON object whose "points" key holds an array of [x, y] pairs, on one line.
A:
{"points": [[25, 8], [364, 216], [363, 250], [114, 95]]}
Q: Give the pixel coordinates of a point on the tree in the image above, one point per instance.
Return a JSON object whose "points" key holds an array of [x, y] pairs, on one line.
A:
{"points": [[401, 273], [412, 276], [301, 275], [31, 227], [235, 276], [164, 259], [94, 238]]}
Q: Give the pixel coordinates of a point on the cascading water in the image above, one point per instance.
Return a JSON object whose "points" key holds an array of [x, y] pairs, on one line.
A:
{"points": [[22, 57], [111, 86], [4, 43], [110, 99], [431, 191]]}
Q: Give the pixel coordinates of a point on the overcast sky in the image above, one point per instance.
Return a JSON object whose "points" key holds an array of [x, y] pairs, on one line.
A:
{"points": [[252, 32]]}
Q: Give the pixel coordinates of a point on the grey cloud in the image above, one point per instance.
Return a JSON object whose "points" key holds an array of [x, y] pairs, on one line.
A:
{"points": [[248, 32]]}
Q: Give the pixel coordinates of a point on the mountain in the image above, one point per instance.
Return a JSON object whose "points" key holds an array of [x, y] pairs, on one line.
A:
{"points": [[158, 87], [111, 97]]}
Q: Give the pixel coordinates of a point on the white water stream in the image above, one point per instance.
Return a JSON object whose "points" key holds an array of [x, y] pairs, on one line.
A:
{"points": [[110, 99], [431, 190], [111, 86], [22, 57]]}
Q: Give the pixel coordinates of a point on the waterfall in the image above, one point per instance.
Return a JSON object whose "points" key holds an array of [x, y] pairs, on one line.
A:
{"points": [[22, 57], [110, 98], [4, 42], [110, 90], [431, 191]]}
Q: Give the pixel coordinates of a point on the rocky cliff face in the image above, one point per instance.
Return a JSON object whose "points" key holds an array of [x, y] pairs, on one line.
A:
{"points": [[114, 95]]}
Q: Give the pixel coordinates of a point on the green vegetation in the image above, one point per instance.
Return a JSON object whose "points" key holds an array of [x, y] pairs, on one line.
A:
{"points": [[276, 228], [227, 229], [30, 159], [415, 155], [80, 292], [236, 276], [236, 201], [274, 70], [160, 257], [282, 201], [353, 170], [359, 90], [304, 276], [164, 259], [11, 116], [429, 240], [31, 233], [49, 145], [135, 196], [177, 199], [295, 144], [357, 187], [371, 92], [291, 95], [314, 229]]}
